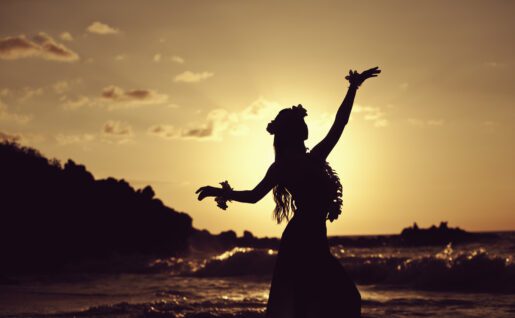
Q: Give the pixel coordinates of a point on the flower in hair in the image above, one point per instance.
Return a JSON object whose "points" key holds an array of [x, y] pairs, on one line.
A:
{"points": [[300, 110], [285, 116], [272, 127]]}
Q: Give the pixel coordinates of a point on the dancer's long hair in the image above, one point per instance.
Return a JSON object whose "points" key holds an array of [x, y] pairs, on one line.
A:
{"points": [[290, 131]]}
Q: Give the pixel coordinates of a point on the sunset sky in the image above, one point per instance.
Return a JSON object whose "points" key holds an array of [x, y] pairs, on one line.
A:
{"points": [[177, 95]]}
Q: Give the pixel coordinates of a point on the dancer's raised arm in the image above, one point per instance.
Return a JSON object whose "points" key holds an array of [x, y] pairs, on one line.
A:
{"points": [[324, 148], [247, 196]]}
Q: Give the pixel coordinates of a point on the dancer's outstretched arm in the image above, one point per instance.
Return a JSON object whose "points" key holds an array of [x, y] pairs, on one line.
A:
{"points": [[324, 148], [247, 196]]}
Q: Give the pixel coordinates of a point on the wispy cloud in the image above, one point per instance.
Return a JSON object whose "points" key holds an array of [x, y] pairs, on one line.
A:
{"points": [[117, 97], [374, 114], [157, 57], [64, 139], [113, 97], [218, 122], [98, 27], [29, 92], [115, 131], [177, 59], [201, 132], [61, 87], [66, 36], [425, 122], [7, 137], [435, 122], [40, 46], [191, 77], [25, 138], [164, 131], [6, 115], [382, 122], [117, 128], [112, 132], [79, 102]]}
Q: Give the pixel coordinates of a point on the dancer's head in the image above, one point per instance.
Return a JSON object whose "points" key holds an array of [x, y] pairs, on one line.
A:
{"points": [[289, 130]]}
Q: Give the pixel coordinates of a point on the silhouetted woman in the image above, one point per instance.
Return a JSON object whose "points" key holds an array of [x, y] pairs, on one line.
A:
{"points": [[308, 281]]}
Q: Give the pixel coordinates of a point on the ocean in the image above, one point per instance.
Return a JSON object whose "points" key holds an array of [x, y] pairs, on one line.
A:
{"points": [[466, 280]]}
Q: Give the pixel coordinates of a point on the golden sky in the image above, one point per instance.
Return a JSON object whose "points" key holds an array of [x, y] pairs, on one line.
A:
{"points": [[177, 94]]}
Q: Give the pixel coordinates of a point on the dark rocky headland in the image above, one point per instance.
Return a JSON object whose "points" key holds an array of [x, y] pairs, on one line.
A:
{"points": [[54, 216]]}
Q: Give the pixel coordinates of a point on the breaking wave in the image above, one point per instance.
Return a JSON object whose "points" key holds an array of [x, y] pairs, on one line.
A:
{"points": [[472, 270]]}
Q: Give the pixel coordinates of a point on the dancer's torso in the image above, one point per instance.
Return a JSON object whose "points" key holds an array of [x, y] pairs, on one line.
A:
{"points": [[305, 180]]}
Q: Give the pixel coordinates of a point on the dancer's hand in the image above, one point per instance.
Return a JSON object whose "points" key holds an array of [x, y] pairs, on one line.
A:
{"points": [[208, 191], [356, 79]]}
